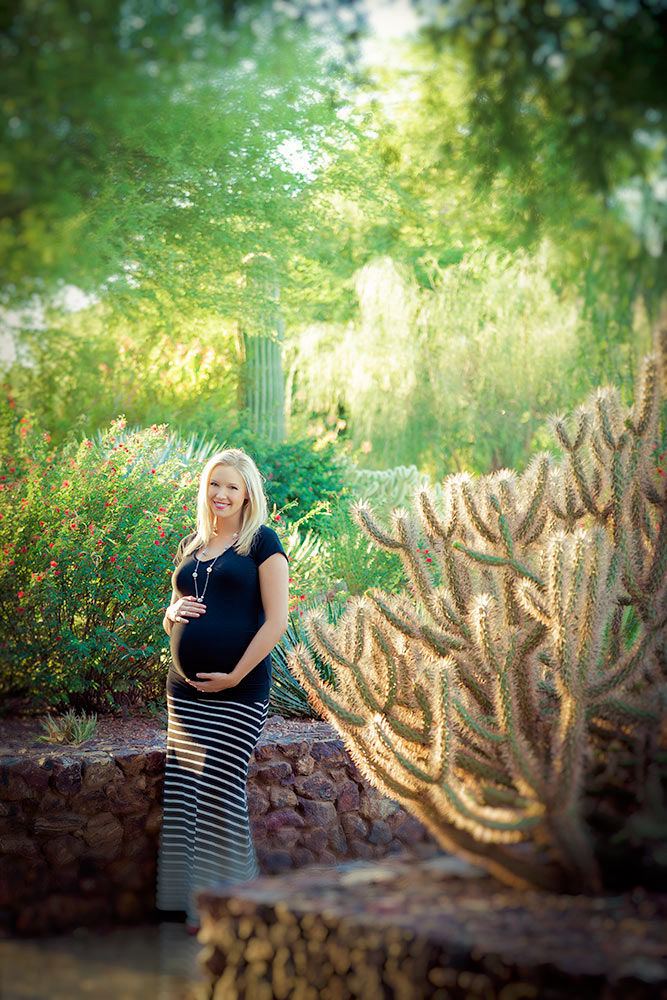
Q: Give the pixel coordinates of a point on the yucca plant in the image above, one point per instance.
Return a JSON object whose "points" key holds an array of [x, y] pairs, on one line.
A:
{"points": [[287, 695], [71, 729], [488, 702]]}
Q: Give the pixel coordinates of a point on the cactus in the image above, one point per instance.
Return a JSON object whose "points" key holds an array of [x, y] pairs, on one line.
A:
{"points": [[387, 488], [480, 702]]}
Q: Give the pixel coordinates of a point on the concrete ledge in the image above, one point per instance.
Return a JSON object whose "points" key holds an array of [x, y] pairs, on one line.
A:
{"points": [[427, 930]]}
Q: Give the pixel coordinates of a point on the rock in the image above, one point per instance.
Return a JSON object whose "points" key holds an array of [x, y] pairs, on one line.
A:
{"points": [[304, 765], [126, 873], [407, 828], [99, 772], [20, 845], [282, 796], [259, 827], [14, 788], [283, 817], [326, 858], [124, 801], [60, 823], [273, 862], [132, 764], [318, 813], [279, 770], [63, 851], [265, 751], [286, 836], [354, 826], [129, 907], [315, 840], [336, 839], [258, 802], [153, 823], [67, 776], [361, 849], [92, 802], [379, 832], [294, 749], [329, 752], [252, 769], [315, 786], [301, 856], [348, 797], [155, 761], [373, 805], [104, 835]]}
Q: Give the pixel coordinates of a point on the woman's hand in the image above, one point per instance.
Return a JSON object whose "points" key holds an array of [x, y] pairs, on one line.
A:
{"points": [[185, 608], [214, 682]]}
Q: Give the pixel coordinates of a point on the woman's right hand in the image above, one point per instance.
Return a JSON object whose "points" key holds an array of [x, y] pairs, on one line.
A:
{"points": [[185, 608]]}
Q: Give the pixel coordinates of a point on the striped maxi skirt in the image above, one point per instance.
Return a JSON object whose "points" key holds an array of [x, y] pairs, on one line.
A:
{"points": [[206, 838]]}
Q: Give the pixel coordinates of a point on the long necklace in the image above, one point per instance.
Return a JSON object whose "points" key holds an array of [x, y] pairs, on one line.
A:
{"points": [[209, 569]]}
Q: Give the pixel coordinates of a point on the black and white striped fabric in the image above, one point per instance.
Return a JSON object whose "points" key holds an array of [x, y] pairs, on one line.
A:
{"points": [[206, 838]]}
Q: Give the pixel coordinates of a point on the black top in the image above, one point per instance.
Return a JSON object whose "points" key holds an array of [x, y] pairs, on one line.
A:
{"points": [[215, 642]]}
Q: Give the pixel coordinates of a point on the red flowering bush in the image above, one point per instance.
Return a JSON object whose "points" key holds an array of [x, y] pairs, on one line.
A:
{"points": [[87, 536]]}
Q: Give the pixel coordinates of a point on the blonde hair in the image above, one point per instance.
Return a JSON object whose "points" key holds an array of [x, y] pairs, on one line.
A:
{"points": [[254, 511]]}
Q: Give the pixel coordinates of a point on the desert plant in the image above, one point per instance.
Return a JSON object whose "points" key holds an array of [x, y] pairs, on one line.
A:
{"points": [[70, 728], [287, 695], [486, 703]]}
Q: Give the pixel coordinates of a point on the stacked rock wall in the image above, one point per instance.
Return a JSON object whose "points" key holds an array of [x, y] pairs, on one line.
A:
{"points": [[79, 830]]}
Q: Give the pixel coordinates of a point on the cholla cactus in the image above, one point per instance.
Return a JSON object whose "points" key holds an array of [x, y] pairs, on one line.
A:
{"points": [[479, 698]]}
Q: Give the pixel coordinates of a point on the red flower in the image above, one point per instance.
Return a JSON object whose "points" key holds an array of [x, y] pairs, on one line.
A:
{"points": [[56, 572], [112, 559], [20, 594], [53, 563]]}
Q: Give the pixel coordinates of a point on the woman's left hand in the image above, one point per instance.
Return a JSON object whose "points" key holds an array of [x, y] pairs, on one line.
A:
{"points": [[214, 682]]}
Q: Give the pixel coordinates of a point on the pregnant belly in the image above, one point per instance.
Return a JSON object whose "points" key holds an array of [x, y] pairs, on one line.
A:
{"points": [[201, 647]]}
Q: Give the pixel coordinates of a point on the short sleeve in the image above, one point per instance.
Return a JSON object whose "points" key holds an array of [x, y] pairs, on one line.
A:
{"points": [[265, 543]]}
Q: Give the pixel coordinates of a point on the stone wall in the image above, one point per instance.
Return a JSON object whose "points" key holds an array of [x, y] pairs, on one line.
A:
{"points": [[434, 929], [79, 830]]}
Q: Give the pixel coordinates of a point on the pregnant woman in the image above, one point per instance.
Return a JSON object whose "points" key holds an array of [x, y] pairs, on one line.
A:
{"points": [[228, 609]]}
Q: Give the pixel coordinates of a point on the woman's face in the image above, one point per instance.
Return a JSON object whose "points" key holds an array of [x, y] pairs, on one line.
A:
{"points": [[227, 493]]}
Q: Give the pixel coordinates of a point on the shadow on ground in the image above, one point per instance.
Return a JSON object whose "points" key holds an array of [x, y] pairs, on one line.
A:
{"points": [[156, 961]]}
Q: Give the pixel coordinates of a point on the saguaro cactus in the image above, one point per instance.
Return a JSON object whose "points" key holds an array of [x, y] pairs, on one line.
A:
{"points": [[479, 697]]}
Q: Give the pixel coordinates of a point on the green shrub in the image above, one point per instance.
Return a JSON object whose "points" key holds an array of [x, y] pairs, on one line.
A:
{"points": [[87, 536], [295, 472], [351, 561], [88, 531]]}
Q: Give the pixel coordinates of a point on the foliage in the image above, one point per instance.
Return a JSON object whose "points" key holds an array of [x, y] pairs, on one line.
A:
{"points": [[593, 75], [490, 704], [88, 531], [350, 561], [298, 474], [87, 534], [459, 375], [71, 728], [89, 366]]}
